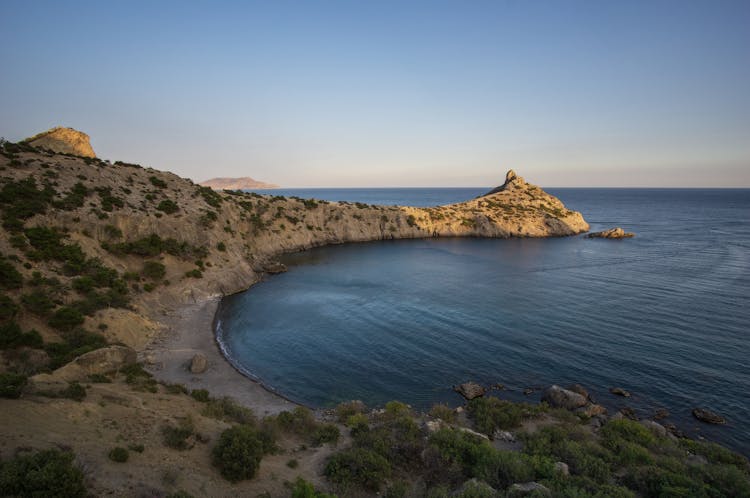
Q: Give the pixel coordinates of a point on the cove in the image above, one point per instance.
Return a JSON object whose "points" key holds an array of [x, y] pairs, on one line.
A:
{"points": [[661, 315]]}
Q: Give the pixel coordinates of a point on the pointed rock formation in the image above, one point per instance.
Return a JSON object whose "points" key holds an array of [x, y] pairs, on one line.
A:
{"points": [[63, 140]]}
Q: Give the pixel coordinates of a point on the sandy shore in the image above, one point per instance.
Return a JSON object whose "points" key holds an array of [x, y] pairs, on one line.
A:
{"points": [[189, 331]]}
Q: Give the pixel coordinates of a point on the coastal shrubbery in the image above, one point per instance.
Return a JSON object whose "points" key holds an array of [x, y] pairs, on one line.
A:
{"points": [[43, 473], [238, 453]]}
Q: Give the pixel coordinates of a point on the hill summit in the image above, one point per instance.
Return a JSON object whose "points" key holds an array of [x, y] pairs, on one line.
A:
{"points": [[63, 140], [242, 183]]}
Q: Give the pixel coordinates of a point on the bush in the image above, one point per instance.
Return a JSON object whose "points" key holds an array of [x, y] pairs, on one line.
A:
{"points": [[221, 246], [12, 337], [304, 489], [38, 302], [238, 453], [227, 409], [200, 395], [154, 270], [44, 473], [157, 182], [8, 308], [358, 466], [326, 433], [66, 319], [168, 206], [10, 278], [444, 413], [11, 385], [348, 408], [74, 391], [490, 414], [177, 437], [119, 455]]}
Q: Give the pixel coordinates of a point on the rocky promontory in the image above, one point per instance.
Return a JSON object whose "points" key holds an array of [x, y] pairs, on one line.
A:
{"points": [[64, 141]]}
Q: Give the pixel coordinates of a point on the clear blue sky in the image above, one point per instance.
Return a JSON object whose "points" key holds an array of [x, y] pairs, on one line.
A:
{"points": [[381, 93]]}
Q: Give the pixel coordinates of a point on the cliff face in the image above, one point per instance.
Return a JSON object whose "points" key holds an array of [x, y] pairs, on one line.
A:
{"points": [[63, 140], [242, 183]]}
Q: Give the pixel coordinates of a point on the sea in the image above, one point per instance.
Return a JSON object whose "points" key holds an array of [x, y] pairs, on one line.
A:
{"points": [[664, 315]]}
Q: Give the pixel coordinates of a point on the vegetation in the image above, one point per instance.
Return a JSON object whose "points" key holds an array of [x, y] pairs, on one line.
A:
{"points": [[11, 385], [168, 206], [119, 455], [43, 473], [238, 453]]}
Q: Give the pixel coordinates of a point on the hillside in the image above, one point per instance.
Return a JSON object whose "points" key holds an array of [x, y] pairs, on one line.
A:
{"points": [[104, 264], [242, 183]]}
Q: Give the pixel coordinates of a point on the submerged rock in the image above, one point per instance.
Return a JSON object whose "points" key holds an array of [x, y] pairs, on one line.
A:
{"points": [[661, 413], [470, 390], [612, 233], [708, 416], [619, 391], [557, 397], [592, 410]]}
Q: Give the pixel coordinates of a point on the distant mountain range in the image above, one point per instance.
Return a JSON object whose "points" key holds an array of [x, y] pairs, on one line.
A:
{"points": [[241, 183]]}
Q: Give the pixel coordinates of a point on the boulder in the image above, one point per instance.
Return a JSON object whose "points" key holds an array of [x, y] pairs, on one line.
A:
{"points": [[619, 391], [505, 436], [198, 364], [557, 397], [528, 488], [612, 233], [275, 267], [470, 390], [628, 412], [579, 389], [562, 468], [661, 413], [592, 410], [656, 428], [708, 416], [475, 487], [63, 140]]}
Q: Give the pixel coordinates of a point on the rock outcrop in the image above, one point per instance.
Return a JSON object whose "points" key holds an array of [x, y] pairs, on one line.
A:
{"points": [[557, 397], [241, 183], [612, 233], [470, 390], [708, 416], [63, 140]]}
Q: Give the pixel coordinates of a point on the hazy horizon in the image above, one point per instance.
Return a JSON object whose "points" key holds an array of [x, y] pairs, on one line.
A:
{"points": [[392, 94]]}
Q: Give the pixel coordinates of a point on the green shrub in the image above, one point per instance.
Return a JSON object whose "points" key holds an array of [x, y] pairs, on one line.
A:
{"points": [[8, 308], [168, 206], [221, 246], [76, 343], [157, 182], [119, 455], [154, 270], [616, 431], [74, 391], [11, 385], [304, 489], [491, 414], [138, 448], [325, 433], [238, 453], [358, 467], [177, 437], [201, 395], [99, 379], [66, 319], [444, 413], [195, 273], [347, 409], [300, 421], [38, 302], [227, 409], [10, 278], [44, 473], [12, 337]]}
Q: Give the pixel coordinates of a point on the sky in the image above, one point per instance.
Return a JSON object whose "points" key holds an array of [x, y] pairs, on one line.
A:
{"points": [[324, 93]]}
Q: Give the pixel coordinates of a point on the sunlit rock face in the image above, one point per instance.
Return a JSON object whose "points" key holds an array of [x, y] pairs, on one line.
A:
{"points": [[63, 140]]}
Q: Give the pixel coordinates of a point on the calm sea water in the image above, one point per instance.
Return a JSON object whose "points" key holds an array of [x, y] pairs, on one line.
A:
{"points": [[665, 315]]}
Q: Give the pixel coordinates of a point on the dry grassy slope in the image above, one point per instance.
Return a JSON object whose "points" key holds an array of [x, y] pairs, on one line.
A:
{"points": [[254, 229]]}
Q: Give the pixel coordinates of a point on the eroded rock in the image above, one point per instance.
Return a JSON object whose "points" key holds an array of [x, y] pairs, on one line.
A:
{"points": [[709, 417], [619, 391], [612, 233], [558, 397], [198, 364], [470, 390]]}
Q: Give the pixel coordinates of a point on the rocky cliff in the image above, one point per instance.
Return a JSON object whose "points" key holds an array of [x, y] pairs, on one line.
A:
{"points": [[242, 183], [64, 141]]}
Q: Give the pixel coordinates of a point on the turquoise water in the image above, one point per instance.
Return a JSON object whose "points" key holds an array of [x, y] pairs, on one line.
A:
{"points": [[664, 315]]}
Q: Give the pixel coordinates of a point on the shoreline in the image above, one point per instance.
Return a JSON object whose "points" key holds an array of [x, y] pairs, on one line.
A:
{"points": [[189, 329]]}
